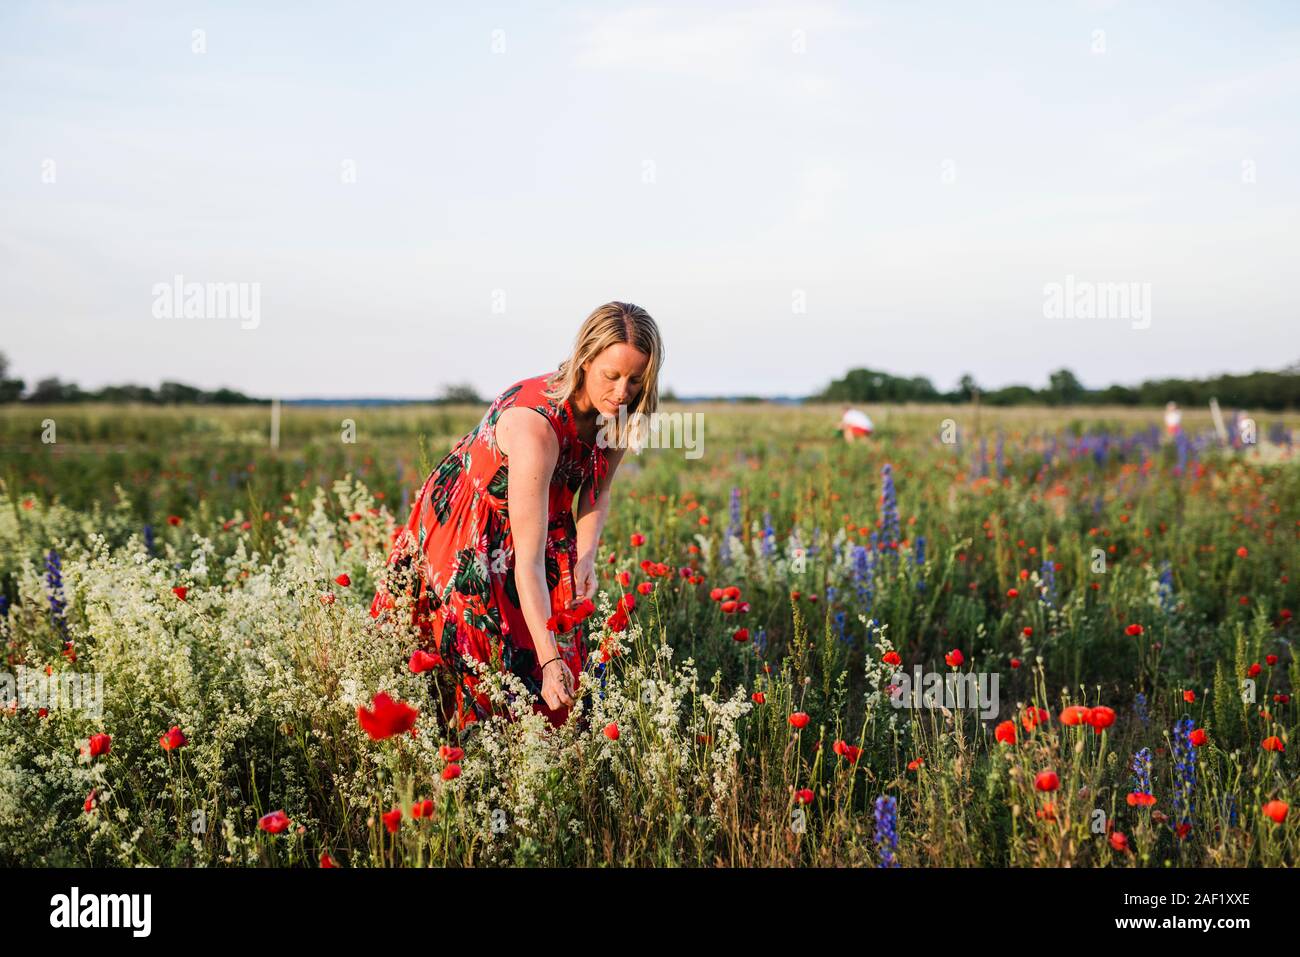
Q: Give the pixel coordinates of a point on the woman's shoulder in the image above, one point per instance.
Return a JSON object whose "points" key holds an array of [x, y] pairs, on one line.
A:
{"points": [[530, 393]]}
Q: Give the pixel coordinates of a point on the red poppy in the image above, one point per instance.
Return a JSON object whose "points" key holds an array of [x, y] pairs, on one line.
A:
{"points": [[804, 795], [1012, 593], [1198, 738], [1074, 715], [1276, 810], [1047, 781], [1101, 717], [343, 581], [388, 718], [560, 622], [326, 860], [846, 750], [954, 658], [1254, 669], [173, 519], [616, 622], [450, 752], [799, 719], [1005, 732], [645, 588], [422, 661], [759, 697], [1272, 743], [173, 739], [1140, 799], [731, 591], [716, 594], [1015, 662], [892, 658], [180, 591], [1133, 630], [611, 731], [624, 578], [1271, 659], [1189, 696], [637, 539], [1048, 812], [451, 771], [729, 607], [273, 823], [1033, 716], [90, 803], [740, 634], [393, 820], [1119, 841], [914, 764], [1027, 631], [1242, 552], [626, 604], [99, 744]]}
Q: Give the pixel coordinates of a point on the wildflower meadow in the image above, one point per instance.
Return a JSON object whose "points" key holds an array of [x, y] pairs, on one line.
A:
{"points": [[1049, 638]]}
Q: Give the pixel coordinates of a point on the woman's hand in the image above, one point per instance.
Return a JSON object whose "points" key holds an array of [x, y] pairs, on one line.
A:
{"points": [[557, 684], [584, 579]]}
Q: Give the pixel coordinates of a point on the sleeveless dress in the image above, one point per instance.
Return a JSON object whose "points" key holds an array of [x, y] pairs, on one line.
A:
{"points": [[465, 599]]}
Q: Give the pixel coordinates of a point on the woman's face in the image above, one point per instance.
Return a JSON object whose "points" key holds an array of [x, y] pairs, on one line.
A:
{"points": [[615, 377]]}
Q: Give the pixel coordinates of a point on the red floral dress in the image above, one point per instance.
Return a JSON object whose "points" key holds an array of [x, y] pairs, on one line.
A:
{"points": [[466, 601]]}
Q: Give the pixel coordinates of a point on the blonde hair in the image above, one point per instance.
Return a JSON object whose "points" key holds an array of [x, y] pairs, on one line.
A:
{"points": [[608, 325]]}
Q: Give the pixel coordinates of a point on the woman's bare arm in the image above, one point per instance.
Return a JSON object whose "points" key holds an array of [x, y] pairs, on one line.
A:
{"points": [[591, 518], [531, 449]]}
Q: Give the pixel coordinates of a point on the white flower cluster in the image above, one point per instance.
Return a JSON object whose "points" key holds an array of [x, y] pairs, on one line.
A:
{"points": [[721, 729]]}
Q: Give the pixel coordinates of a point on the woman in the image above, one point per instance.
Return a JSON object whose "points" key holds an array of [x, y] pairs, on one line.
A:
{"points": [[502, 567], [855, 424], [1173, 419]]}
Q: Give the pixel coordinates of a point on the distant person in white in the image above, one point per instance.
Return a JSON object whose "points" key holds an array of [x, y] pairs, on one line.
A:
{"points": [[854, 424], [1242, 429], [1173, 419]]}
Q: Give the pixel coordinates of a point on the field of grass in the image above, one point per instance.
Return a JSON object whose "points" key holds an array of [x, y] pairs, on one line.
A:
{"points": [[1133, 598]]}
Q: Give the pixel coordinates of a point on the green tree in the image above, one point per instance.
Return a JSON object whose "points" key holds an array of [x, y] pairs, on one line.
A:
{"points": [[460, 393], [1063, 388]]}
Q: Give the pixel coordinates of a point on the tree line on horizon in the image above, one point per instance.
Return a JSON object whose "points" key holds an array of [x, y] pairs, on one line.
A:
{"points": [[1257, 390], [1260, 390], [56, 391]]}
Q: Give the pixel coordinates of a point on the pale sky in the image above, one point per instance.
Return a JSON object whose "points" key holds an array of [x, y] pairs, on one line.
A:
{"points": [[427, 193]]}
